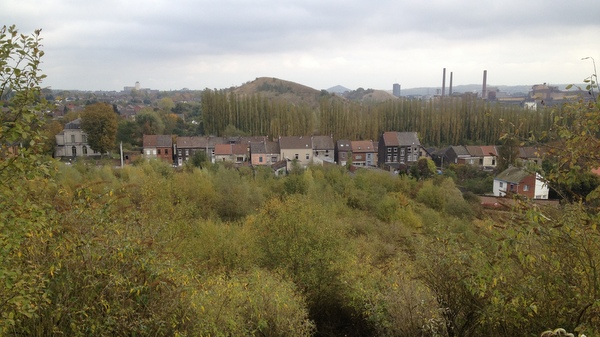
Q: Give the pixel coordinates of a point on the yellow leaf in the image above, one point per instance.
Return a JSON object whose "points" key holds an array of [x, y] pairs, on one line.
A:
{"points": [[534, 308]]}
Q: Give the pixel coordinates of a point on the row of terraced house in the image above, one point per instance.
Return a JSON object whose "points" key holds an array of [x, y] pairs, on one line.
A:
{"points": [[393, 151]]}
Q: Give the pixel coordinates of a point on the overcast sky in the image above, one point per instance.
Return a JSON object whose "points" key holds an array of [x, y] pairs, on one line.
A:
{"points": [[197, 44]]}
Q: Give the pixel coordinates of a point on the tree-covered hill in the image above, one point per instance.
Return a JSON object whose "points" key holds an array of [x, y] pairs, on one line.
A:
{"points": [[281, 90]]}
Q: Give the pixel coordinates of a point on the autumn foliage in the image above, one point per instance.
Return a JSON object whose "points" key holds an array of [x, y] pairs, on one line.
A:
{"points": [[147, 250]]}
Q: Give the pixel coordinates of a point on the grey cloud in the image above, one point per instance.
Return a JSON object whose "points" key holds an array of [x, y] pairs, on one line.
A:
{"points": [[118, 36]]}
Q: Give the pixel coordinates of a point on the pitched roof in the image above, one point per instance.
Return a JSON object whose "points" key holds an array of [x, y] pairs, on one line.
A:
{"points": [[390, 139], [258, 147], [264, 147], [295, 142], [74, 124], [475, 151], [157, 140], [323, 143], [272, 147], [239, 149], [229, 149], [191, 142], [489, 150], [442, 151], [344, 145], [222, 149], [513, 174], [460, 150], [245, 140], [279, 165], [199, 142], [362, 146], [393, 138]]}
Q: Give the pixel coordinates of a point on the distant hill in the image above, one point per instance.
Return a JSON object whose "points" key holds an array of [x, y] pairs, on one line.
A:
{"points": [[279, 89], [295, 93], [368, 95], [338, 89]]}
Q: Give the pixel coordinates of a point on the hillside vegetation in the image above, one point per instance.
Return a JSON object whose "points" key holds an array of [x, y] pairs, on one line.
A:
{"points": [[280, 90], [147, 250]]}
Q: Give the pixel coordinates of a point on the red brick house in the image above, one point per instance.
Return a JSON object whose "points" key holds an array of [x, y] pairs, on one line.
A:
{"points": [[517, 180], [159, 147]]}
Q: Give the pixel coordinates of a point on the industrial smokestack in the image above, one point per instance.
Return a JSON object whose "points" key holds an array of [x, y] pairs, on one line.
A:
{"points": [[444, 83], [484, 89], [450, 91]]}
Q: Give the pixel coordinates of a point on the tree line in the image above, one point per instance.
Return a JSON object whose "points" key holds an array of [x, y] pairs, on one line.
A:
{"points": [[452, 120]]}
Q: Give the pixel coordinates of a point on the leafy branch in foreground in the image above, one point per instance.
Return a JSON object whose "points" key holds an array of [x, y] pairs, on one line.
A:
{"points": [[25, 229]]}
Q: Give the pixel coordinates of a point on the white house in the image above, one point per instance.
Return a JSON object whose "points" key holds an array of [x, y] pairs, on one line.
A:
{"points": [[72, 142], [516, 180]]}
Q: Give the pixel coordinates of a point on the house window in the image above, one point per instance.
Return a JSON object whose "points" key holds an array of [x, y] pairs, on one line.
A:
{"points": [[526, 188], [74, 151], [166, 151], [388, 158], [358, 157], [501, 184], [396, 149], [239, 159], [84, 150], [395, 158], [84, 138], [179, 152], [274, 159], [260, 159], [297, 156], [72, 138], [158, 151], [307, 156], [481, 161], [493, 162], [389, 150], [187, 152], [402, 152], [154, 151]]}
